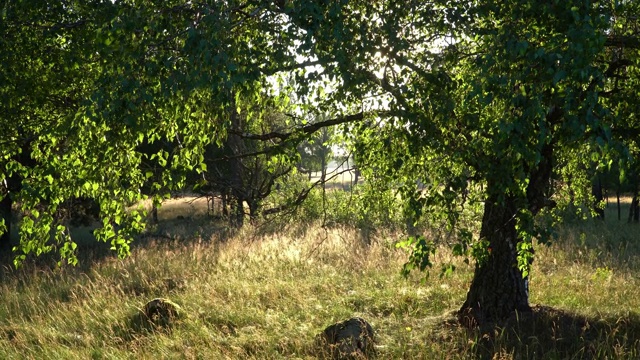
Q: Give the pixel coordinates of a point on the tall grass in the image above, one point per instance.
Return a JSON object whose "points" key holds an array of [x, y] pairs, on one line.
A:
{"points": [[267, 297]]}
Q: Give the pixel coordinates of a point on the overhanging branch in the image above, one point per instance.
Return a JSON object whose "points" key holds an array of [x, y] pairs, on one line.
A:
{"points": [[308, 129]]}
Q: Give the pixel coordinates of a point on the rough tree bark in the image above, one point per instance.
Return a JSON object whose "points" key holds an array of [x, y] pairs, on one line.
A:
{"points": [[498, 288]]}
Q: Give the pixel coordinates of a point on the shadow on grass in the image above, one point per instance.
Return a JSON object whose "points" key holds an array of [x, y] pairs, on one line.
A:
{"points": [[549, 333], [170, 233]]}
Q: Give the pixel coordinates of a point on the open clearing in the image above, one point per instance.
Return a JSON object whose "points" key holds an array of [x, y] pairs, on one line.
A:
{"points": [[268, 296]]}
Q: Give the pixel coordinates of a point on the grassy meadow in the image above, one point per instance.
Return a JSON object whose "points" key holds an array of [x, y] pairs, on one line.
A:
{"points": [[247, 295]]}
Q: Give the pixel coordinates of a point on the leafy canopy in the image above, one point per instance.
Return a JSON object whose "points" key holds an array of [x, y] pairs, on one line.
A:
{"points": [[456, 101]]}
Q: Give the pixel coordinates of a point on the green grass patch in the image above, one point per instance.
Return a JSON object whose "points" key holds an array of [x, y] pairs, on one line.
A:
{"points": [[267, 297]]}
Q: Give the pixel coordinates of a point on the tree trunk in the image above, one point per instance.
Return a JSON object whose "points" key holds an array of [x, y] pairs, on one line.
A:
{"points": [[634, 209], [5, 214], [618, 201], [357, 176], [236, 144], [596, 191], [225, 210], [498, 287], [323, 167], [237, 218], [254, 210], [154, 212]]}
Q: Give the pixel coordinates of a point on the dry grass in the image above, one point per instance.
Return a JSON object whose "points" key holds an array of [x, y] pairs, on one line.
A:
{"points": [[267, 297]]}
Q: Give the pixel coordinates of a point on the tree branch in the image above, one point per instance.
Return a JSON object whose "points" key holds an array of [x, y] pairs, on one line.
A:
{"points": [[292, 67], [303, 194], [308, 129], [623, 41]]}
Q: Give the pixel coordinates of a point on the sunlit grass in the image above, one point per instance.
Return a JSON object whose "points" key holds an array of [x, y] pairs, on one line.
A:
{"points": [[267, 297]]}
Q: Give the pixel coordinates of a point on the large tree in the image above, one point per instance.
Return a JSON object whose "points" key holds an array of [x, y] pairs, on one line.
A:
{"points": [[517, 95], [496, 99]]}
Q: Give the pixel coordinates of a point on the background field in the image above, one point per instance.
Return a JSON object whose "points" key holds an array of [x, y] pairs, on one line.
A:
{"points": [[250, 295]]}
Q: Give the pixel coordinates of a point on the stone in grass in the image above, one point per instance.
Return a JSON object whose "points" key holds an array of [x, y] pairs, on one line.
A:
{"points": [[161, 312], [350, 339]]}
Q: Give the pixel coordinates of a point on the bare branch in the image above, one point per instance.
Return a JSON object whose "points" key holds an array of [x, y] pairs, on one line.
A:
{"points": [[308, 129], [304, 194]]}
